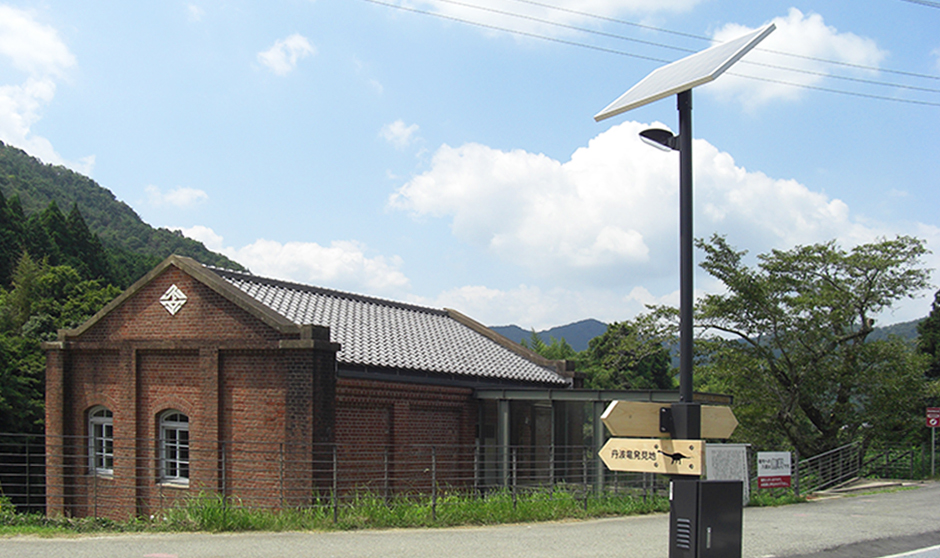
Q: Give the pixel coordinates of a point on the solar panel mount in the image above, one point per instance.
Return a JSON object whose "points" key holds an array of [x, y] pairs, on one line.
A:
{"points": [[685, 73]]}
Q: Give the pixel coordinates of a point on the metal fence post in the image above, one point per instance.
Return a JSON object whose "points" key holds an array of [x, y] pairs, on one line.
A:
{"points": [[280, 472], [223, 463], [29, 488], [551, 470], [335, 486], [476, 467], [385, 481], [433, 483], [514, 478], [796, 474]]}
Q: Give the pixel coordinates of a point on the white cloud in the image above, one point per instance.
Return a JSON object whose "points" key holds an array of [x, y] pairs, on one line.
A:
{"points": [[282, 58], [609, 215], [32, 47], [194, 13], [179, 197], [205, 235], [602, 227], [36, 51], [342, 265], [805, 35], [398, 134]]}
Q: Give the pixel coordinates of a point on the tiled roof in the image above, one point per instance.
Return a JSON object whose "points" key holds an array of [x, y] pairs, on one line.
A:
{"points": [[381, 333]]}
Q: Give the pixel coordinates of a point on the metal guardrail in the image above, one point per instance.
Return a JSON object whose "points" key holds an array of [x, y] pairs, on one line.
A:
{"points": [[830, 468]]}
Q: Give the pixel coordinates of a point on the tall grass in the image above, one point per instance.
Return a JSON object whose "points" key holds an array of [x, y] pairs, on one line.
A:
{"points": [[213, 513]]}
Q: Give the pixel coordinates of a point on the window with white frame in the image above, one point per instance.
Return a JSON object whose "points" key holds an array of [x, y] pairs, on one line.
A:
{"points": [[101, 441], [174, 447]]}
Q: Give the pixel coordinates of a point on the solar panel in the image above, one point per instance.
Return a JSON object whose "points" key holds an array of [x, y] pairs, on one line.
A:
{"points": [[686, 73]]}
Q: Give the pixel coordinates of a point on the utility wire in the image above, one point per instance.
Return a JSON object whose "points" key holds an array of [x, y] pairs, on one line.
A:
{"points": [[704, 38], [644, 57], [516, 32], [662, 45], [927, 3], [840, 91]]}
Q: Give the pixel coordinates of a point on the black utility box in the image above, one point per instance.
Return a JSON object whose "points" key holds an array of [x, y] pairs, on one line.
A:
{"points": [[705, 519]]}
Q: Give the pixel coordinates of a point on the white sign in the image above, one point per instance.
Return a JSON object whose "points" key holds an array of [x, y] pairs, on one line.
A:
{"points": [[773, 469]]}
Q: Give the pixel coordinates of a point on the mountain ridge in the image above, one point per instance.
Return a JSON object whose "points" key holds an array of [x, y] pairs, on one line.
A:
{"points": [[579, 334], [116, 224]]}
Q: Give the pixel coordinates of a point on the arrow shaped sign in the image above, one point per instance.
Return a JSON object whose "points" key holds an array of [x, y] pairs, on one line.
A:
{"points": [[641, 419], [643, 455]]}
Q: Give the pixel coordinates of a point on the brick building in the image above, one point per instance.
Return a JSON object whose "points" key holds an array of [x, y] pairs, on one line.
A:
{"points": [[205, 380]]}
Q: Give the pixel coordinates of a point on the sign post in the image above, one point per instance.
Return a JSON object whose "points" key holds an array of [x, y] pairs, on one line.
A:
{"points": [[685, 417], [773, 469], [645, 455], [643, 419], [933, 421]]}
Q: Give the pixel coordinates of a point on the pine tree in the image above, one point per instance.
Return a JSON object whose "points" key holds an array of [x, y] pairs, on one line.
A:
{"points": [[928, 341]]}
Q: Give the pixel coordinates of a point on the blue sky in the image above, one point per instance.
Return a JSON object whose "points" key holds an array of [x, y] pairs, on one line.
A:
{"points": [[445, 152]]}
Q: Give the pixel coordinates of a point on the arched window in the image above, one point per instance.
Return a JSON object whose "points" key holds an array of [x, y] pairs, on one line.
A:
{"points": [[101, 440], [174, 447]]}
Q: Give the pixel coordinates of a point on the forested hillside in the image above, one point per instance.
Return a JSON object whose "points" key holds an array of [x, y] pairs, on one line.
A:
{"points": [[133, 245], [67, 248]]}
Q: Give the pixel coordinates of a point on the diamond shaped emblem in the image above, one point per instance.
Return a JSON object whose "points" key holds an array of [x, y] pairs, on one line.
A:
{"points": [[173, 299]]}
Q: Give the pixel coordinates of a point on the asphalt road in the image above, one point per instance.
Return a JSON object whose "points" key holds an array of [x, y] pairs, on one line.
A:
{"points": [[860, 526]]}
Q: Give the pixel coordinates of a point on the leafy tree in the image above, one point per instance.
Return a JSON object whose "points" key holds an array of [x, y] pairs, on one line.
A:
{"points": [[928, 341], [794, 351], [630, 355], [44, 299]]}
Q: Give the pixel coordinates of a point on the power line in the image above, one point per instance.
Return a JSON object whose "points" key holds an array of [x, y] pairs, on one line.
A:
{"points": [[662, 45], [516, 32], [840, 91], [709, 39], [927, 3], [650, 58]]}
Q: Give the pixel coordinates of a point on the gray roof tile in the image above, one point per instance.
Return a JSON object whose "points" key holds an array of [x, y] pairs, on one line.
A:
{"points": [[381, 333]]}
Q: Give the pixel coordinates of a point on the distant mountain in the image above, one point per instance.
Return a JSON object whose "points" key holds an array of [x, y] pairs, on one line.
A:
{"points": [[577, 334], [117, 225], [904, 330]]}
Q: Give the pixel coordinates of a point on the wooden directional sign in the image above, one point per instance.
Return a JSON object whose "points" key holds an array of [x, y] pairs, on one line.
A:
{"points": [[642, 455], [641, 419]]}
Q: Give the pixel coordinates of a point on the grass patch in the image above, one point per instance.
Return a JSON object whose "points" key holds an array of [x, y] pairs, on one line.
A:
{"points": [[765, 497], [212, 513]]}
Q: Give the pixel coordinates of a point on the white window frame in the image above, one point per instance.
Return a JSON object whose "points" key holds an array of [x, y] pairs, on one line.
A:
{"points": [[174, 447], [101, 441]]}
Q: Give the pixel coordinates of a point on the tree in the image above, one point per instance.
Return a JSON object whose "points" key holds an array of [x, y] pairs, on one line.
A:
{"points": [[630, 355], [794, 352], [928, 340], [555, 349], [43, 299]]}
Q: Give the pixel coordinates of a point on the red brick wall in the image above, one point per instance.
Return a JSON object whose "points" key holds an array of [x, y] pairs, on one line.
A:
{"points": [[262, 419], [391, 428], [246, 399], [206, 314]]}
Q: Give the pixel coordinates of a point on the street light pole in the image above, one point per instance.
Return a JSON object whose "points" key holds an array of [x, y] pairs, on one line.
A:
{"points": [[686, 264], [691, 517]]}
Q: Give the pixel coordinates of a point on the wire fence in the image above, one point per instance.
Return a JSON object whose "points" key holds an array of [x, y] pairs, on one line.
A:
{"points": [[135, 477]]}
